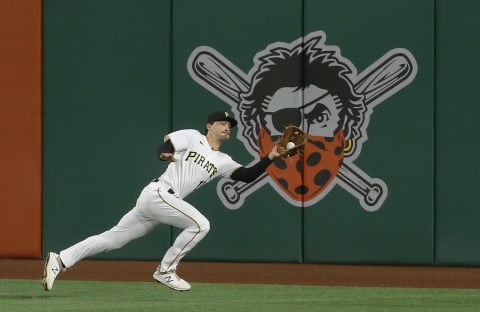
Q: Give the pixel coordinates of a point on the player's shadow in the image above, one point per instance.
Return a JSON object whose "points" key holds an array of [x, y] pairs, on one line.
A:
{"points": [[26, 297]]}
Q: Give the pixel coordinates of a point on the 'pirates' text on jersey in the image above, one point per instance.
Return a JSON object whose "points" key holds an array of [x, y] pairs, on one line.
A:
{"points": [[196, 162], [200, 160]]}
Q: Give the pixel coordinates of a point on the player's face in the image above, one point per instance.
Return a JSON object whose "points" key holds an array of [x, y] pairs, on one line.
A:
{"points": [[220, 130]]}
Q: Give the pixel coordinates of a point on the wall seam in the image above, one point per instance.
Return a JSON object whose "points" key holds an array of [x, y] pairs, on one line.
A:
{"points": [[434, 96], [302, 177]]}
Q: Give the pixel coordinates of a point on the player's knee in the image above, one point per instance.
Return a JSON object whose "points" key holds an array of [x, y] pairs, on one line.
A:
{"points": [[113, 241], [200, 227], [113, 244], [204, 226]]}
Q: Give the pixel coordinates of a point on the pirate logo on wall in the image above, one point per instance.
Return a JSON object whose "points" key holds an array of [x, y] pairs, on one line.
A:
{"points": [[308, 84]]}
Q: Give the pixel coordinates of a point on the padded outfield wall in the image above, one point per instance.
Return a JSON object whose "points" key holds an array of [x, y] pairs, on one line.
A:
{"points": [[118, 75]]}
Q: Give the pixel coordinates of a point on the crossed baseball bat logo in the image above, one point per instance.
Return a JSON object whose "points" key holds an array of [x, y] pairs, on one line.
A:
{"points": [[386, 76]]}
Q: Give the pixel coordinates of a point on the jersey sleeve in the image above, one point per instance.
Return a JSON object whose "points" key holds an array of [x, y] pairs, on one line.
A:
{"points": [[181, 139], [228, 166]]}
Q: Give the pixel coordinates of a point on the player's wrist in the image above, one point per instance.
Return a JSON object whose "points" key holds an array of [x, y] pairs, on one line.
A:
{"points": [[272, 155]]}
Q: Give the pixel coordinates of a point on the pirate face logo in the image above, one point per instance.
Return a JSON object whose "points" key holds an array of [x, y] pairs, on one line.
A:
{"points": [[319, 116], [323, 153], [308, 84]]}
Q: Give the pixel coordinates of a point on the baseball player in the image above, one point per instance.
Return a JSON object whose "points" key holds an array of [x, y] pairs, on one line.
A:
{"points": [[195, 159]]}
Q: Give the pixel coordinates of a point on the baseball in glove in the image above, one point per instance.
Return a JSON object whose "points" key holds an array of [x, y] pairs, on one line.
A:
{"points": [[292, 141]]}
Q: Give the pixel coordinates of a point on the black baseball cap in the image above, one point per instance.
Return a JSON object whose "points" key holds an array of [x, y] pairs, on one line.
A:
{"points": [[221, 116]]}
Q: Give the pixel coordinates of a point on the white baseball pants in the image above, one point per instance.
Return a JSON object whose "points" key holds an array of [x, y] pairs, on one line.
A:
{"points": [[154, 206]]}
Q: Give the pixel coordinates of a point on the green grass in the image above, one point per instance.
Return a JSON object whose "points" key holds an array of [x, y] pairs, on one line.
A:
{"points": [[28, 295]]}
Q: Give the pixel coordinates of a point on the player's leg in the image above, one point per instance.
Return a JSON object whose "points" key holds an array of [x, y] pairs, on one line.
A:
{"points": [[176, 212], [132, 225], [195, 228]]}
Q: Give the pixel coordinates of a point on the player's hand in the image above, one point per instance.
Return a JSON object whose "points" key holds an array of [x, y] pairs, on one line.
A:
{"points": [[274, 153], [167, 156]]}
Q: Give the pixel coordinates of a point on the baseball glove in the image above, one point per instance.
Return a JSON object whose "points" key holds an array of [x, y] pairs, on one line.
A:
{"points": [[292, 141]]}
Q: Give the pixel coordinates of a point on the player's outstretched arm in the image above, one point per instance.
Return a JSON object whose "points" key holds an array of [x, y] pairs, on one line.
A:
{"points": [[250, 174]]}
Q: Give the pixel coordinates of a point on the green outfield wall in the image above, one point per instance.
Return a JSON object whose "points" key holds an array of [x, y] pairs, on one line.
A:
{"points": [[119, 75]]}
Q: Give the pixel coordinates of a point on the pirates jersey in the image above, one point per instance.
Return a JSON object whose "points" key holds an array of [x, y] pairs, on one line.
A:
{"points": [[196, 162]]}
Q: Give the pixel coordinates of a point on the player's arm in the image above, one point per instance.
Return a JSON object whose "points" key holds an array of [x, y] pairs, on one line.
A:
{"points": [[166, 151], [249, 174]]}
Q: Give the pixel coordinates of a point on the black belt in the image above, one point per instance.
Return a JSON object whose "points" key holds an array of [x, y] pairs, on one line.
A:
{"points": [[169, 190]]}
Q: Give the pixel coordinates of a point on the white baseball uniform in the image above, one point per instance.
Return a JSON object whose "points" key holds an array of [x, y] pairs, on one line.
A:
{"points": [[161, 202]]}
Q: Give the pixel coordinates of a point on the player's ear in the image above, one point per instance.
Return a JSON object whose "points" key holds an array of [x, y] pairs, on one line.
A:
{"points": [[208, 127]]}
